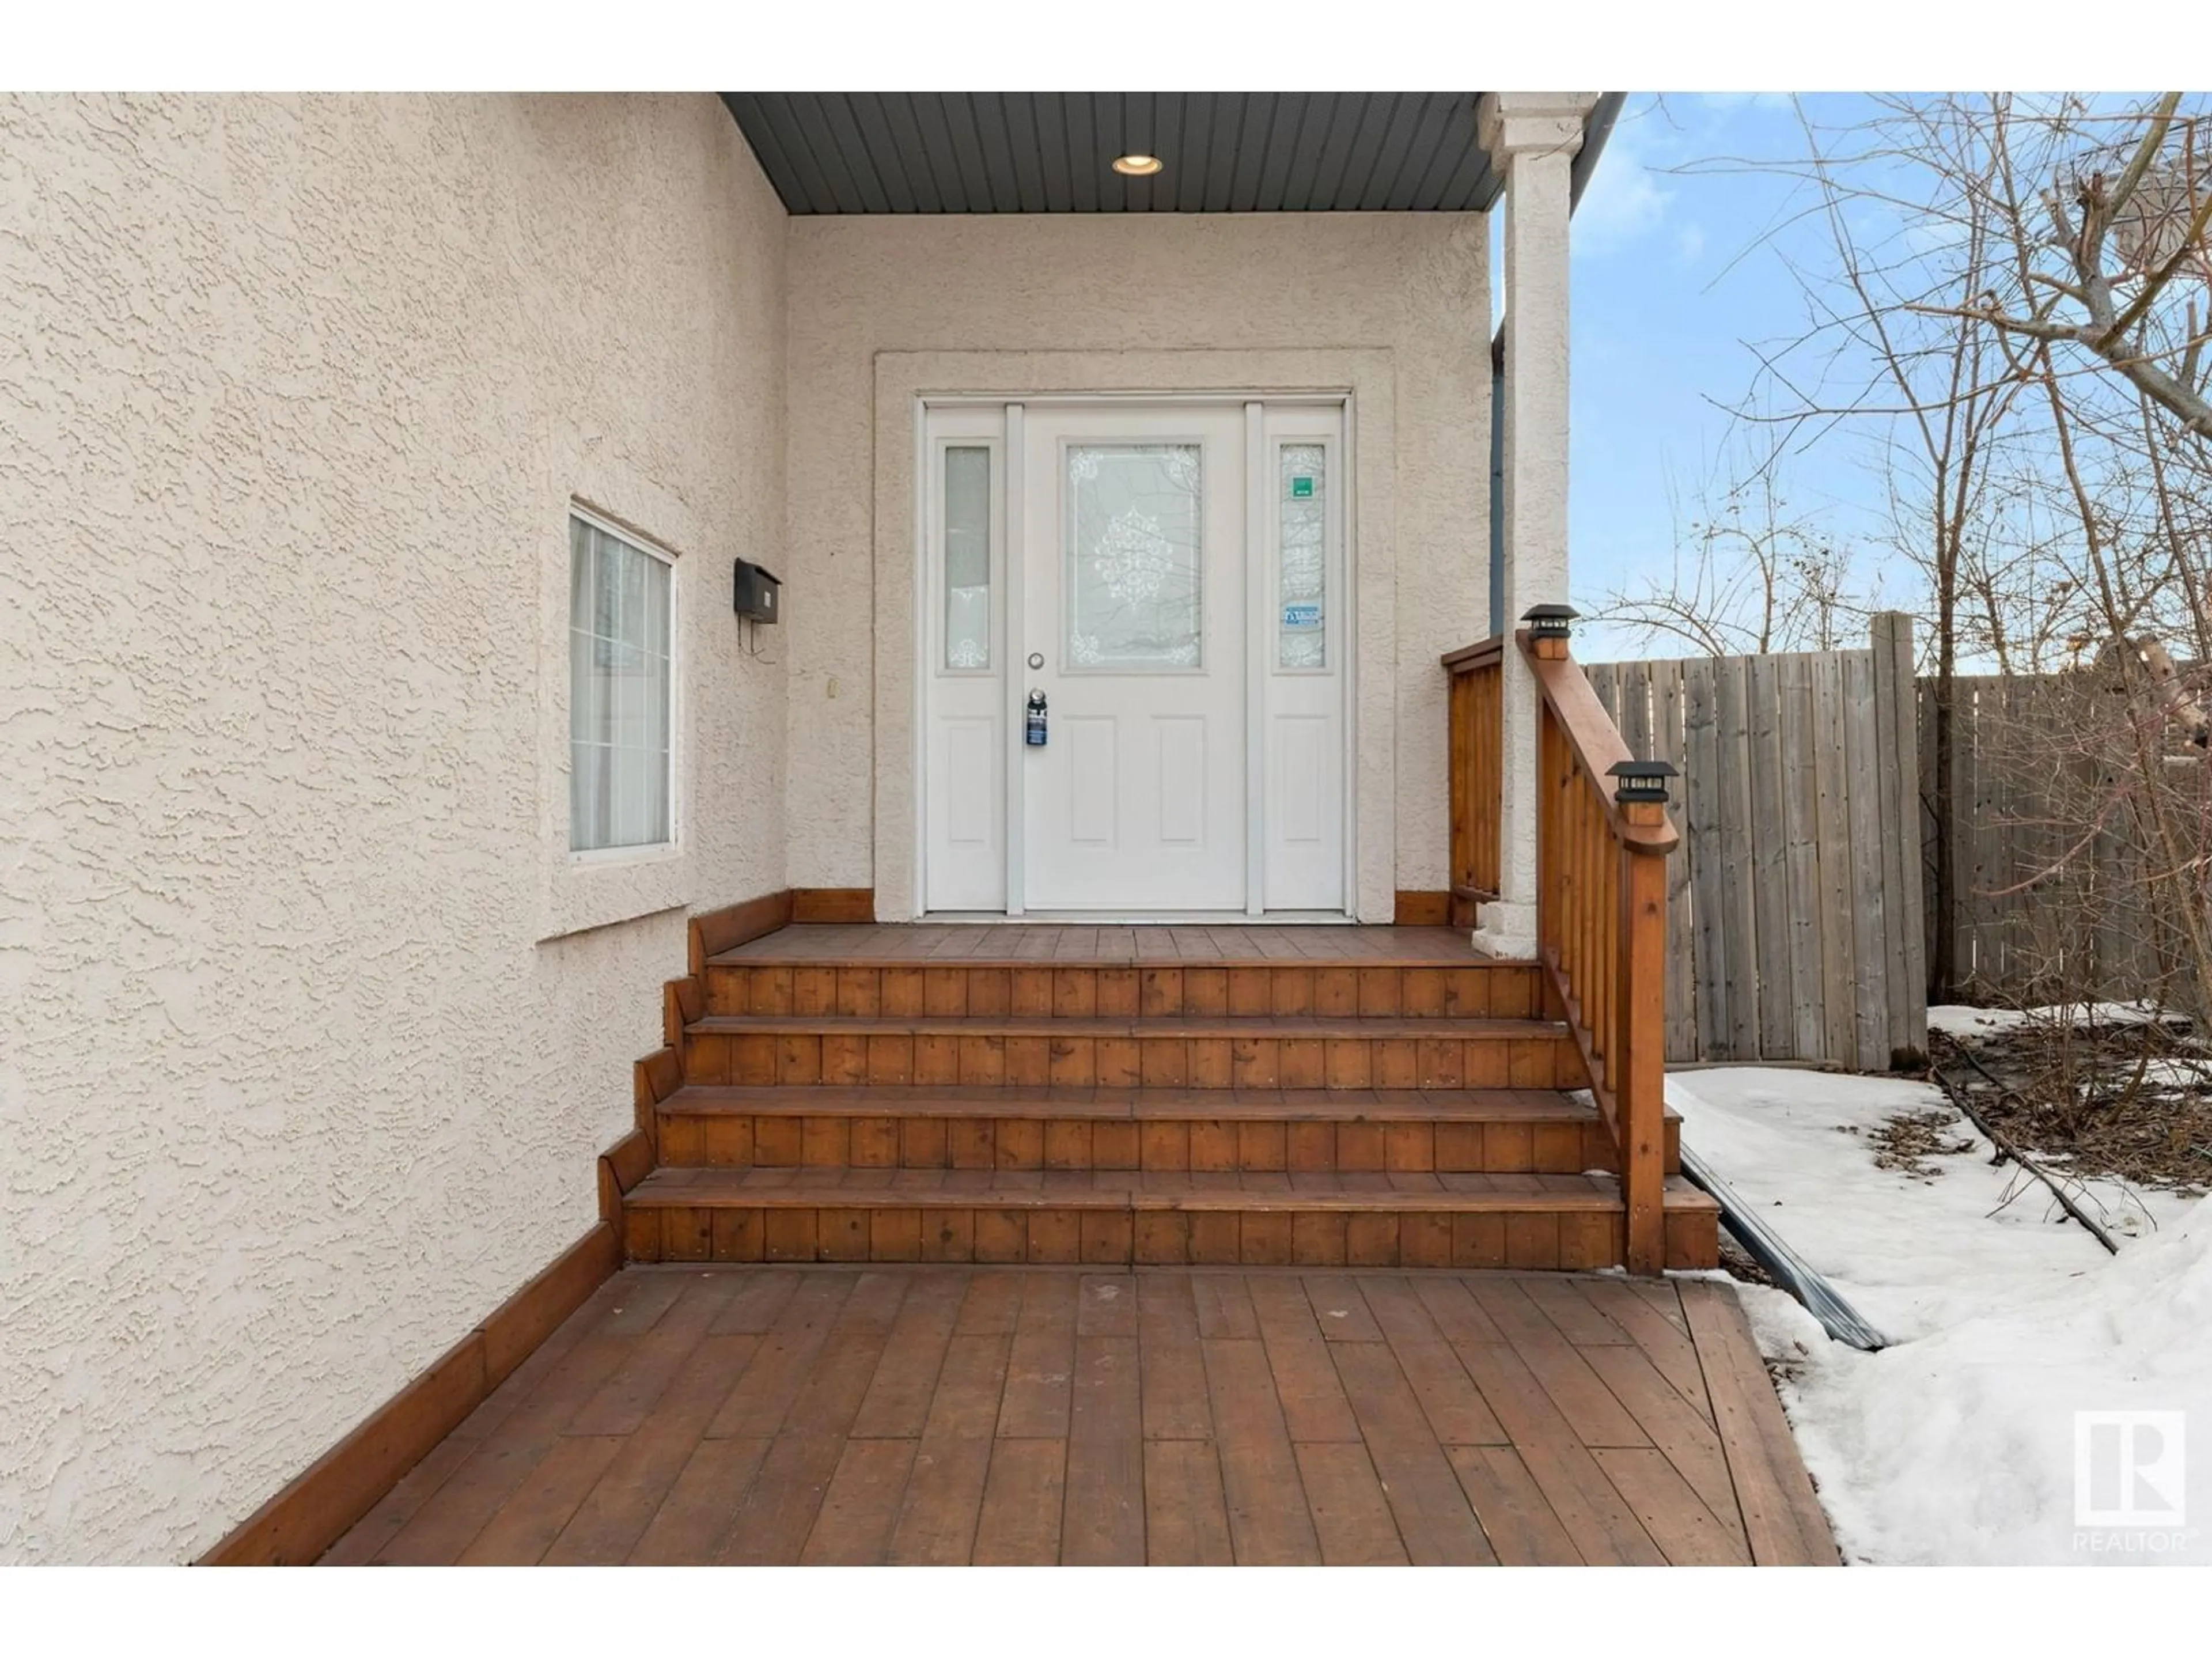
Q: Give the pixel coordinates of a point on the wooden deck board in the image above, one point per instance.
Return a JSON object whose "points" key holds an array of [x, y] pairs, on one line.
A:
{"points": [[1351, 1512], [1518, 1520], [1010, 943], [1105, 1526], [1781, 1516], [1038, 1393], [1306, 1383], [1268, 1521], [780, 1513], [861, 1506], [1186, 1518], [1438, 1526], [862, 1415], [616, 1513], [1175, 1407], [943, 1496], [1024, 1504], [701, 1505]]}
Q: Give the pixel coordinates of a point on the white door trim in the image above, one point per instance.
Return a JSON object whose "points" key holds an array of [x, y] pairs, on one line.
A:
{"points": [[1320, 398], [1017, 504], [920, 584], [1260, 587]]}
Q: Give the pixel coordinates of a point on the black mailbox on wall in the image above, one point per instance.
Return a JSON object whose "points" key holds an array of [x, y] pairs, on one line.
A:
{"points": [[756, 588]]}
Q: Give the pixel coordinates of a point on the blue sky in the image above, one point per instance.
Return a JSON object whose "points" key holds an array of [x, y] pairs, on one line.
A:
{"points": [[1672, 290]]}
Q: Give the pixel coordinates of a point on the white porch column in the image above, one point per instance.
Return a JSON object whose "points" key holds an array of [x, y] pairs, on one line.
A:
{"points": [[1532, 138]]}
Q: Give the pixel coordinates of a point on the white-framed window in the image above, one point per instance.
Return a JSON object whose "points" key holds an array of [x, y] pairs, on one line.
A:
{"points": [[622, 689]]}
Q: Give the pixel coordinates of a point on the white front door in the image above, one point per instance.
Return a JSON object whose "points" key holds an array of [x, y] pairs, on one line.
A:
{"points": [[1179, 575], [1133, 627]]}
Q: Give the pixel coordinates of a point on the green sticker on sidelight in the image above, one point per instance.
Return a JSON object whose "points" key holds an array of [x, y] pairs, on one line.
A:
{"points": [[1301, 488]]}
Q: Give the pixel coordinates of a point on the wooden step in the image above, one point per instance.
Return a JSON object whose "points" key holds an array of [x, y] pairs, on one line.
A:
{"points": [[1028, 943], [1177, 1025], [1084, 989], [1110, 1128], [1194, 1052], [1408, 1219]]}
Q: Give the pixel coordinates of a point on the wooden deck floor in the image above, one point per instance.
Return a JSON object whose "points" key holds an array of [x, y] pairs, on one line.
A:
{"points": [[1149, 943], [948, 1415]]}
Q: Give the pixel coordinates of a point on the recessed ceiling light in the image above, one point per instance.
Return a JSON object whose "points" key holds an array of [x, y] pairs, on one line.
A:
{"points": [[1138, 166]]}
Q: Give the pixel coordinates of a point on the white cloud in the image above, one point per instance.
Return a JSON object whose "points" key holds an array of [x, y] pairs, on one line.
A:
{"points": [[1689, 244]]}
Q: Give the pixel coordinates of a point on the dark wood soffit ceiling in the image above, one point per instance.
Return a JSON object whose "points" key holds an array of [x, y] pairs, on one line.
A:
{"points": [[1050, 152]]}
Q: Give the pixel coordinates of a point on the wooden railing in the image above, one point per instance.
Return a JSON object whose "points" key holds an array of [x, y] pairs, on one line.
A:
{"points": [[1603, 837], [1477, 679]]}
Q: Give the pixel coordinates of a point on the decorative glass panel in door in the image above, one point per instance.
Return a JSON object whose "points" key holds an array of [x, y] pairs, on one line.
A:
{"points": [[1303, 555], [967, 556], [1135, 576]]}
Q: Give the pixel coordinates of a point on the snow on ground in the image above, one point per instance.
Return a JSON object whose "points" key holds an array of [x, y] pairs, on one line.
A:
{"points": [[1956, 1443], [2169, 1073], [1957, 1020]]}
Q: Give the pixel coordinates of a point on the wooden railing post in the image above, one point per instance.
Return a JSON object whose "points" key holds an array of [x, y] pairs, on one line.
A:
{"points": [[1637, 1065]]}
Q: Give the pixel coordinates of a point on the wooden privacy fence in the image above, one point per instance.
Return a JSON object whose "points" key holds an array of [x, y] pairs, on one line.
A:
{"points": [[2052, 892], [1794, 901]]}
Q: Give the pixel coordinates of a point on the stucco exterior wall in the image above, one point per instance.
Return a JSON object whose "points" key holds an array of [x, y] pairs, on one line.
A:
{"points": [[1408, 290], [309, 1035]]}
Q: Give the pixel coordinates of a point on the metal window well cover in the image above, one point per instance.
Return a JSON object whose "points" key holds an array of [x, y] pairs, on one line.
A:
{"points": [[1789, 1269]]}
